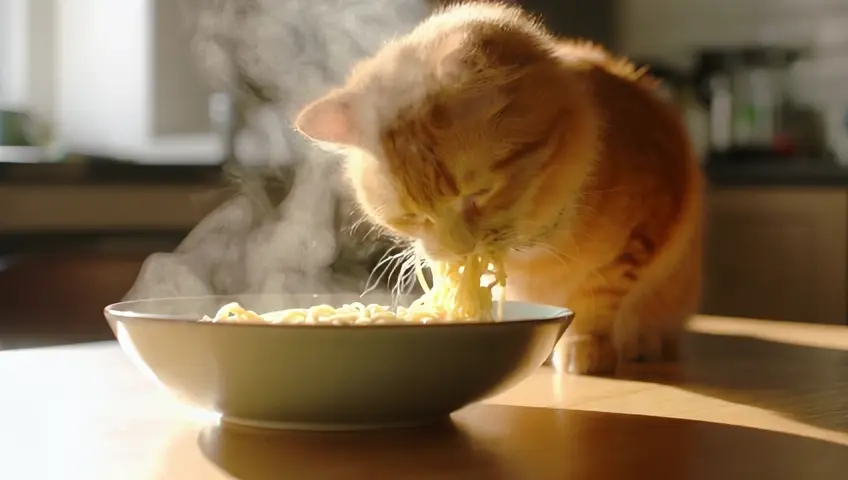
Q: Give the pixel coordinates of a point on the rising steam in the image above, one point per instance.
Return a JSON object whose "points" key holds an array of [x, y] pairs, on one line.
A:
{"points": [[274, 56]]}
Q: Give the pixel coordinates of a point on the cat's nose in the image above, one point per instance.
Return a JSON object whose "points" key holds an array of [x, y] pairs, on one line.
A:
{"points": [[470, 210], [450, 238]]}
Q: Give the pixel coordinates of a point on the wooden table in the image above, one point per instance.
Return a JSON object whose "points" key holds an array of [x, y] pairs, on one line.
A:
{"points": [[750, 400]]}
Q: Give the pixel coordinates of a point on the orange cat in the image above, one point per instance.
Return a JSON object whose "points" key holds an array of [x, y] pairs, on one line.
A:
{"points": [[481, 130]]}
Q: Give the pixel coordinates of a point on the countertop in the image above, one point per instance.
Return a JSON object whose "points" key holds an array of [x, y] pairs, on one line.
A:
{"points": [[108, 195], [787, 173], [103, 195], [749, 400], [110, 172], [112, 195], [107, 172]]}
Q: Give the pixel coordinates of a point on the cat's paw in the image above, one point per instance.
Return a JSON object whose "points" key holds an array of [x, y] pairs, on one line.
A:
{"points": [[585, 355], [648, 346]]}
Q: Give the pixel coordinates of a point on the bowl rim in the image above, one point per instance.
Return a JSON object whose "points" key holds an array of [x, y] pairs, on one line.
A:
{"points": [[559, 315]]}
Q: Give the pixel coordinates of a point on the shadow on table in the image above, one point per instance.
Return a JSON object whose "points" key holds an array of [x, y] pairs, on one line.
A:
{"points": [[495, 442], [437, 451], [808, 384]]}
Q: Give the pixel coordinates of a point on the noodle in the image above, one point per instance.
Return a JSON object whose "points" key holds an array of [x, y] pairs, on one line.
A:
{"points": [[456, 295], [457, 291], [349, 314]]}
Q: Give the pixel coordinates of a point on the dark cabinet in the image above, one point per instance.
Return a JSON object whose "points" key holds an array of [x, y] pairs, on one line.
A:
{"points": [[55, 292], [593, 20], [777, 253]]}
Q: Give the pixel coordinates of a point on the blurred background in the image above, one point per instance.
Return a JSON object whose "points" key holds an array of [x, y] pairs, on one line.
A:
{"points": [[120, 128]]}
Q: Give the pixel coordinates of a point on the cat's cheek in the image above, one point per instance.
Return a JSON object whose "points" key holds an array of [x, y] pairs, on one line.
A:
{"points": [[403, 231]]}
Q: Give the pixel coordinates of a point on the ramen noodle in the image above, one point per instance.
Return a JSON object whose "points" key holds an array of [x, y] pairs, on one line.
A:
{"points": [[457, 294]]}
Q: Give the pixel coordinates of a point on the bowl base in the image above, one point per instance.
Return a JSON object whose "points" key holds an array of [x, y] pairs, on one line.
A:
{"points": [[327, 427]]}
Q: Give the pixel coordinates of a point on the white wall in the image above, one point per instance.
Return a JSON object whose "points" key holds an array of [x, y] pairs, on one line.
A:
{"points": [[102, 75], [180, 94], [41, 57], [27, 56], [13, 54], [107, 77], [674, 29]]}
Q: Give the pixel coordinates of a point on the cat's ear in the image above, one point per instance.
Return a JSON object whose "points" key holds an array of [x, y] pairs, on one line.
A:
{"points": [[330, 119]]}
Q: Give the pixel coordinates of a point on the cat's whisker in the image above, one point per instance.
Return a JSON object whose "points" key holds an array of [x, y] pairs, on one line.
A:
{"points": [[388, 256], [606, 190], [407, 280], [374, 228], [603, 278], [579, 210], [384, 262], [413, 277], [402, 263], [410, 278], [358, 223], [560, 256], [401, 276], [372, 283], [394, 288]]}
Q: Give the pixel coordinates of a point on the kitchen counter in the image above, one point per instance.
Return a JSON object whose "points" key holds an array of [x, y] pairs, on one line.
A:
{"points": [[777, 174], [749, 400], [106, 195], [112, 195], [39, 208], [102, 171], [107, 172]]}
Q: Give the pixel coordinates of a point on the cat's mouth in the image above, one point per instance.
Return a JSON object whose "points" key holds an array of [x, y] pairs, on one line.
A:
{"points": [[441, 254]]}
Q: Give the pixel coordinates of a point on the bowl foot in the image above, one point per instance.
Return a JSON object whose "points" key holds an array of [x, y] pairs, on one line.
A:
{"points": [[327, 427]]}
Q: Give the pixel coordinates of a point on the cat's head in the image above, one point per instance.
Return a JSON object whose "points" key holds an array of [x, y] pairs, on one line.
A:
{"points": [[449, 131]]}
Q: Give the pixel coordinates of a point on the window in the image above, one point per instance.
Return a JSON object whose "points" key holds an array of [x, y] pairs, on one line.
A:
{"points": [[13, 45]]}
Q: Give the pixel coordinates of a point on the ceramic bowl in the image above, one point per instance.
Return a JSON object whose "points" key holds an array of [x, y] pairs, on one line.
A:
{"points": [[331, 377]]}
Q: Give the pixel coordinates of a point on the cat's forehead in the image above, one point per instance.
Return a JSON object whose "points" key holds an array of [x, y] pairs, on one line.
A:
{"points": [[405, 72], [403, 76], [400, 78], [408, 71]]}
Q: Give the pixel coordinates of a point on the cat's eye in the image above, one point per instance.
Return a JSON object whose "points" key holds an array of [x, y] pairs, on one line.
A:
{"points": [[481, 193], [473, 201]]}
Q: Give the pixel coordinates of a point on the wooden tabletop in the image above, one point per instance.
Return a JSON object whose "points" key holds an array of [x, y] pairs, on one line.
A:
{"points": [[750, 400]]}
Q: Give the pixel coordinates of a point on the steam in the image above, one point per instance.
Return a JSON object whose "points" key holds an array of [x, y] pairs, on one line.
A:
{"points": [[275, 56]]}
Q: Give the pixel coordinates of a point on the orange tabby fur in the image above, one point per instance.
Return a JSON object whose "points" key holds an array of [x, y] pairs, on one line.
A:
{"points": [[480, 131]]}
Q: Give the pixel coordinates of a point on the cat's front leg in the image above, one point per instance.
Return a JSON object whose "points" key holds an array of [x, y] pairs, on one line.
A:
{"points": [[628, 322], [589, 354], [587, 347], [638, 341], [650, 323]]}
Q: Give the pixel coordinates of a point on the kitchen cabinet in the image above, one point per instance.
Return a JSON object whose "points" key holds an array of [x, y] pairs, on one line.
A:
{"points": [[56, 299], [779, 253], [53, 287]]}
